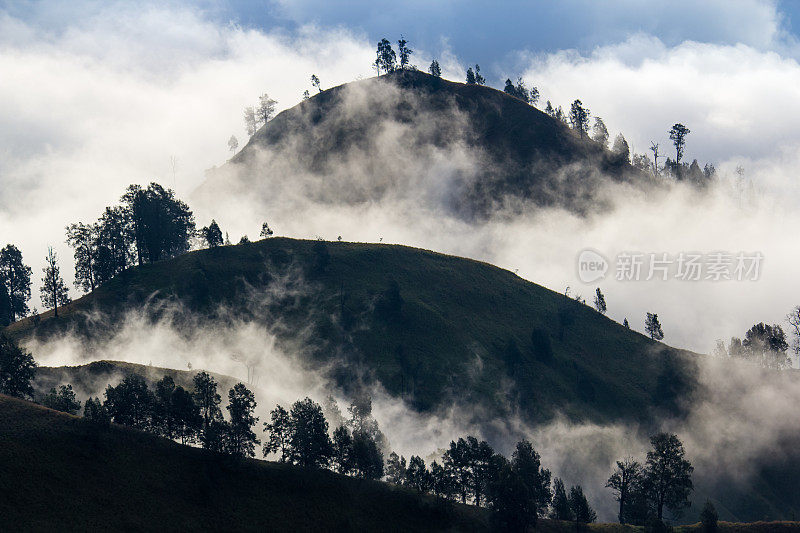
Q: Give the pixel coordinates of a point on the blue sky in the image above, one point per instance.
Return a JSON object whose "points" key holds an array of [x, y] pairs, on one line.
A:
{"points": [[493, 33], [490, 33]]}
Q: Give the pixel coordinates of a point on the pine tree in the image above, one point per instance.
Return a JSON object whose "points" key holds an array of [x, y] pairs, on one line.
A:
{"points": [[212, 234], [599, 131], [579, 117], [561, 509], [435, 70], [581, 510], [653, 327], [600, 302], [479, 80], [470, 76], [395, 469], [53, 291]]}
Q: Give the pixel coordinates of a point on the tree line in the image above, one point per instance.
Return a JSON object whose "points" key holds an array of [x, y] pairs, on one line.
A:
{"points": [[519, 489], [578, 118], [149, 224], [765, 345]]}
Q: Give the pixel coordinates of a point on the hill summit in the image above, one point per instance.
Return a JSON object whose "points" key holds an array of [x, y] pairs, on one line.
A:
{"points": [[467, 149]]}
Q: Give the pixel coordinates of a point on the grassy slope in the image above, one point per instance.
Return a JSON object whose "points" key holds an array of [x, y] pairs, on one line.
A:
{"points": [[58, 473], [90, 379], [55, 472], [525, 153], [451, 342]]}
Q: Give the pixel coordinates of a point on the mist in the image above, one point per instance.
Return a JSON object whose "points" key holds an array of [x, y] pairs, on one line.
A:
{"points": [[120, 117]]}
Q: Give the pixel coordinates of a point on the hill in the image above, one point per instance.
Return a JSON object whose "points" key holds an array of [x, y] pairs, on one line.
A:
{"points": [[468, 150], [70, 477], [430, 328], [91, 379]]}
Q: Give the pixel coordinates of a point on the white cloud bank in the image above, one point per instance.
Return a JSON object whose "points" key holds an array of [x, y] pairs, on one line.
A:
{"points": [[106, 100]]}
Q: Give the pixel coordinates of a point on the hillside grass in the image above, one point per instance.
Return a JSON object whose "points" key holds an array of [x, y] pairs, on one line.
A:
{"points": [[450, 343], [59, 473], [91, 379]]}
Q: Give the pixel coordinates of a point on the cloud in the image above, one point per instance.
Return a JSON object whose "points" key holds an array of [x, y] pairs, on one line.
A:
{"points": [[737, 100], [107, 101]]}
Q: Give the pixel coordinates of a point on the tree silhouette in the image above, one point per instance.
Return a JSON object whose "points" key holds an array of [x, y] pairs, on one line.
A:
{"points": [[625, 480], [62, 399], [600, 302], [417, 475], [265, 230], [579, 117], [279, 431], [342, 457], [668, 473], [17, 369], [212, 234], [115, 244], [479, 80], [162, 226], [709, 518], [395, 469], [309, 444], [404, 53], [386, 58], [241, 438], [95, 413], [599, 131], [233, 144], [766, 345], [265, 109], [470, 76], [53, 290], [84, 239], [207, 399], [186, 416], [435, 70], [621, 149], [250, 122], [533, 479], [5, 306], [16, 278], [367, 456], [561, 508], [653, 327], [581, 510], [130, 403], [678, 135], [507, 497], [442, 482], [315, 82]]}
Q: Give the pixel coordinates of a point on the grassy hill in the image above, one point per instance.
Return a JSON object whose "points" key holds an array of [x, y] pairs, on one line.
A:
{"points": [[91, 378], [464, 330], [56, 472], [490, 150]]}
